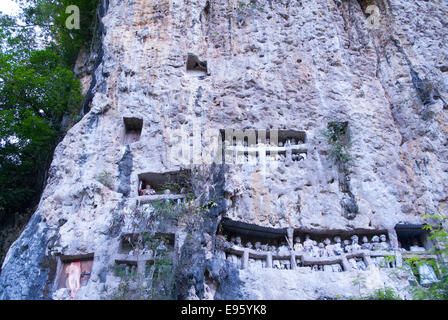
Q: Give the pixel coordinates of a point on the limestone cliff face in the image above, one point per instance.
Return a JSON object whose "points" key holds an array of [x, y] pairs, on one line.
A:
{"points": [[287, 65]]}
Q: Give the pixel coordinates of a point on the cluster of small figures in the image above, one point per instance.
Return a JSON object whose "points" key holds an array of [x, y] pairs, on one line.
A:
{"points": [[128, 270], [147, 191], [328, 249], [276, 157], [324, 249], [282, 157], [241, 142], [144, 249]]}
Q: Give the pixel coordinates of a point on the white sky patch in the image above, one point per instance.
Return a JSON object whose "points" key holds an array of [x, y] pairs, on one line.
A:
{"points": [[9, 7]]}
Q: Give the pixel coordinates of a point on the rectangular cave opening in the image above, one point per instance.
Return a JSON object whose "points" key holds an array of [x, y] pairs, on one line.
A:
{"points": [[412, 237], [74, 270], [290, 137], [169, 183], [194, 64], [252, 236], [125, 269], [133, 129], [338, 132], [251, 144], [248, 245], [253, 137]]}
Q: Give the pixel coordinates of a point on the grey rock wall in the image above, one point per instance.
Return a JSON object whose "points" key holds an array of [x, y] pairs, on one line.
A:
{"points": [[292, 65]]}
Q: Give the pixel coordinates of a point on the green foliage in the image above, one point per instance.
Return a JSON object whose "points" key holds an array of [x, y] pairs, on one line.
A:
{"points": [[158, 280], [125, 272], [37, 89], [251, 4], [105, 178], [166, 208], [439, 235], [360, 282], [388, 259], [51, 17], [384, 294], [182, 182], [337, 137]]}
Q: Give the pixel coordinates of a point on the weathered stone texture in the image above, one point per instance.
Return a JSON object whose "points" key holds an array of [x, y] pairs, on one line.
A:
{"points": [[271, 65]]}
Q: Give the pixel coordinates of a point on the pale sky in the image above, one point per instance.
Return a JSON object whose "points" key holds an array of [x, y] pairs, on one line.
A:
{"points": [[9, 7]]}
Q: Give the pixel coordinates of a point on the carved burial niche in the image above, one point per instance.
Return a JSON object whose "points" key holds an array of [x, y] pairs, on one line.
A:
{"points": [[412, 235], [73, 272], [174, 183], [253, 233], [291, 136], [132, 241], [195, 65], [276, 145], [252, 137], [133, 130], [254, 250], [138, 251]]}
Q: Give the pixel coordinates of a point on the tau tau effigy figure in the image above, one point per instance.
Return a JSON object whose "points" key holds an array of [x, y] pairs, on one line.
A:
{"points": [[322, 251], [346, 245], [238, 242], [161, 247], [258, 246], [283, 249], [384, 245], [249, 245], [308, 244], [297, 245], [73, 278], [315, 250], [355, 245], [365, 244], [376, 243], [329, 247], [273, 250], [337, 247]]}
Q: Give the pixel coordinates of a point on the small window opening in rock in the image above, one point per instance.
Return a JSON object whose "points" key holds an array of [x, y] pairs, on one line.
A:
{"points": [[290, 137], [194, 64], [133, 130], [338, 132], [251, 139], [412, 237], [74, 272], [207, 8], [364, 4], [174, 183]]}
